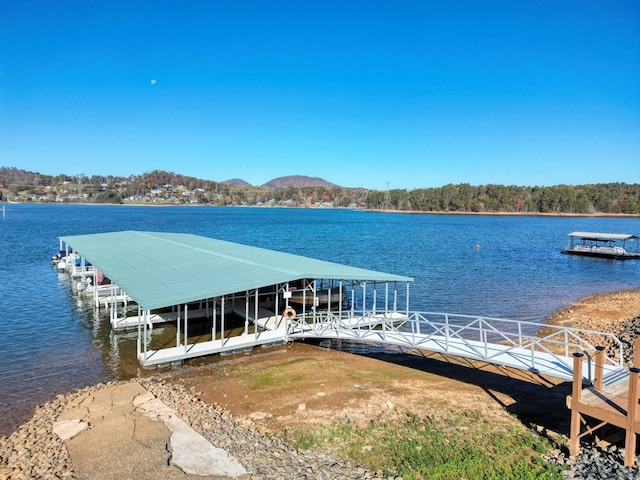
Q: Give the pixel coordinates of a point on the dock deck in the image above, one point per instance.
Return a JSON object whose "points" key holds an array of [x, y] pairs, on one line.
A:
{"points": [[616, 403], [167, 356], [602, 245]]}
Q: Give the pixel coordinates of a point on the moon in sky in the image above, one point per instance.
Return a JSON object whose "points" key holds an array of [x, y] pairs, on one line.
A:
{"points": [[153, 82]]}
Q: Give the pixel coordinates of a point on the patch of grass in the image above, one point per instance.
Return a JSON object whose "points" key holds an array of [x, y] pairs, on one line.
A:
{"points": [[262, 380], [273, 377], [296, 378], [457, 446]]}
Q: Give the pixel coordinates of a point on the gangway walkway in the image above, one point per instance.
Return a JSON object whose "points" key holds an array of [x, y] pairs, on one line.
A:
{"points": [[543, 349], [511, 343]]}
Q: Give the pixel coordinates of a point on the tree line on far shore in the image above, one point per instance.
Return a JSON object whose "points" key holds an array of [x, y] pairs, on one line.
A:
{"points": [[611, 198], [160, 187]]}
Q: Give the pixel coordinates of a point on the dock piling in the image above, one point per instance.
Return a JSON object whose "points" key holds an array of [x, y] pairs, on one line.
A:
{"points": [[576, 391], [599, 373], [632, 414]]}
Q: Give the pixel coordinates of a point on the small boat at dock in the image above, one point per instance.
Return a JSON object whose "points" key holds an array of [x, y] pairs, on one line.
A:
{"points": [[602, 245]]}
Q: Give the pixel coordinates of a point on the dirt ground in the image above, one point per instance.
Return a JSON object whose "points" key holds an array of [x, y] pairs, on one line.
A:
{"points": [[302, 385]]}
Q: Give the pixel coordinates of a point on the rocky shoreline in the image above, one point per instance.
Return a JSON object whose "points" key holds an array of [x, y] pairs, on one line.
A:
{"points": [[33, 450]]}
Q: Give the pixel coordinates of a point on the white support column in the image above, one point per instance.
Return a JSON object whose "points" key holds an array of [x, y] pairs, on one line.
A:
{"points": [[315, 300], [386, 297], [276, 302], [353, 297], [407, 299], [329, 299], [222, 315], [144, 331], [395, 296], [255, 316], [186, 327], [95, 287], [177, 324], [364, 297], [138, 342], [246, 312], [215, 317], [375, 297]]}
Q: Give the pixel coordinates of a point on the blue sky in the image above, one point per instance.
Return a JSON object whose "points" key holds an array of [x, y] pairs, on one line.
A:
{"points": [[396, 93]]}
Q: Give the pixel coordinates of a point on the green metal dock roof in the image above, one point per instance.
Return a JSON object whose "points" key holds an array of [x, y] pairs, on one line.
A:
{"points": [[163, 269]]}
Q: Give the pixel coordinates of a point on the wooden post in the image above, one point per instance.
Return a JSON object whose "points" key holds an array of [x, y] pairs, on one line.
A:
{"points": [[576, 391], [636, 350], [599, 373], [632, 415]]}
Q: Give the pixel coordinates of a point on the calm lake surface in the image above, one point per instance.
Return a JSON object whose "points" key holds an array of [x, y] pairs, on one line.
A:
{"points": [[51, 343]]}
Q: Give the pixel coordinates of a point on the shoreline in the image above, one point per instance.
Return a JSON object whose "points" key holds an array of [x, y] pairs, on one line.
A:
{"points": [[309, 207], [617, 313], [25, 448], [601, 312]]}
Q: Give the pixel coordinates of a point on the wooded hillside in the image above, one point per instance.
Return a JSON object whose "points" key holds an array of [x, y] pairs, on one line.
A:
{"points": [[160, 187]]}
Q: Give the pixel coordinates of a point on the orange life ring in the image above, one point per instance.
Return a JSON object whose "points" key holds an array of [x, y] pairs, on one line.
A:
{"points": [[289, 313]]}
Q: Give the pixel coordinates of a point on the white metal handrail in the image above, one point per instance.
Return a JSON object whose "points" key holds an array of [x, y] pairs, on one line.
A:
{"points": [[477, 333]]}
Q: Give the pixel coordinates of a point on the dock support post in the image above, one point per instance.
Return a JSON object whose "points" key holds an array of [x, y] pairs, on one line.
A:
{"points": [[246, 312], [576, 391], [222, 317], [215, 318], [599, 373], [186, 327], [375, 298], [636, 350], [256, 314], [632, 413]]}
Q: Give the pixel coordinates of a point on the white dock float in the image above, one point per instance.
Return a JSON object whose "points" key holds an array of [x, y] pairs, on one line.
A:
{"points": [[130, 322], [167, 356], [106, 302]]}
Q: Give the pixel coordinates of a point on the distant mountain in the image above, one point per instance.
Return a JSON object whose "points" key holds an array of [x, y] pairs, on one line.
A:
{"points": [[298, 181], [237, 182]]}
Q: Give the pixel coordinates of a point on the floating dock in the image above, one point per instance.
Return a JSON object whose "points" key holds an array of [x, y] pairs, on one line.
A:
{"points": [[602, 245], [230, 281]]}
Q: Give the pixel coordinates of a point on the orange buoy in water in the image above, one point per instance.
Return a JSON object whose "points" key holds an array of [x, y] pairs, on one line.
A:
{"points": [[477, 246]]}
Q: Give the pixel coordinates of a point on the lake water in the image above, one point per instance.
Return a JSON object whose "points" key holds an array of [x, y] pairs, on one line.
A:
{"points": [[52, 343]]}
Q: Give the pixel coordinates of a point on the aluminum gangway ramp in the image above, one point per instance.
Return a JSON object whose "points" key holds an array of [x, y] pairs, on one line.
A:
{"points": [[543, 349]]}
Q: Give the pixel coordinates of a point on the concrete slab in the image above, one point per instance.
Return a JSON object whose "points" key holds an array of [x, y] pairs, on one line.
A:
{"points": [[67, 429], [123, 431], [192, 453]]}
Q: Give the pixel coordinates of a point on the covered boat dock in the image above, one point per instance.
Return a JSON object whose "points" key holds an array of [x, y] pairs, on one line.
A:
{"points": [[281, 297], [186, 273]]}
